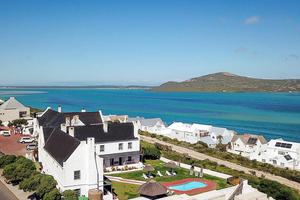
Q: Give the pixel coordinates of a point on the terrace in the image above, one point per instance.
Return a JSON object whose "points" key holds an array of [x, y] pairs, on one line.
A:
{"points": [[182, 176]]}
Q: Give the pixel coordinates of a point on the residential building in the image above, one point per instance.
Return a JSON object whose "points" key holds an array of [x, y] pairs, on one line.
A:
{"points": [[12, 109], [279, 153], [246, 144], [81, 144], [152, 125], [194, 133], [115, 118]]}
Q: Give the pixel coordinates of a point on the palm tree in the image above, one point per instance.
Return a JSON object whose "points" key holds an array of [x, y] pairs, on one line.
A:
{"points": [[220, 138]]}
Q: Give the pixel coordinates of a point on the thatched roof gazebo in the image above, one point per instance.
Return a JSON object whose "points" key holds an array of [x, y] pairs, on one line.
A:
{"points": [[171, 165], [153, 190], [148, 169]]}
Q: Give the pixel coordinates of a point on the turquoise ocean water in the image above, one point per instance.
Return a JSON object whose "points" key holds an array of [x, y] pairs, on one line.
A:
{"points": [[274, 115]]}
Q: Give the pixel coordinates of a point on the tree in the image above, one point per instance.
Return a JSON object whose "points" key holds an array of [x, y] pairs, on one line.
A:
{"points": [[150, 152], [220, 139], [47, 183], [31, 183], [6, 160], [52, 195], [69, 195], [19, 170]]}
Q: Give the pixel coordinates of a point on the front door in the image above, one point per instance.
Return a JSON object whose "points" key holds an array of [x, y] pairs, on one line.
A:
{"points": [[120, 161], [112, 162]]}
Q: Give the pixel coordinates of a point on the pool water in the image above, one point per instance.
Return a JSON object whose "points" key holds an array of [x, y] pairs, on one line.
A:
{"points": [[188, 186]]}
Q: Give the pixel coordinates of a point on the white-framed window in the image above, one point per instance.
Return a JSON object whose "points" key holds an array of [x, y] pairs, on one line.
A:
{"points": [[129, 145], [281, 153], [102, 148], [120, 146], [77, 175], [77, 192], [282, 164], [263, 160]]}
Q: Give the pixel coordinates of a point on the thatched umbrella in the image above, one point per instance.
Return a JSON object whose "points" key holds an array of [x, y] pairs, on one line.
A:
{"points": [[148, 169], [153, 190], [171, 165]]}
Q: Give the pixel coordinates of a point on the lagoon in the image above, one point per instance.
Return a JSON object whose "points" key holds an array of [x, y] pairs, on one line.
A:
{"points": [[274, 115]]}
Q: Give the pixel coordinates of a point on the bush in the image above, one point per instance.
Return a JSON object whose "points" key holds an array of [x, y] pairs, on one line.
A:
{"points": [[69, 195], [31, 183], [47, 184], [52, 195], [151, 153], [6, 160], [19, 170]]}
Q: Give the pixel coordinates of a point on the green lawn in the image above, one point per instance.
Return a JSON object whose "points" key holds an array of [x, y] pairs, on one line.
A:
{"points": [[125, 191], [181, 174]]}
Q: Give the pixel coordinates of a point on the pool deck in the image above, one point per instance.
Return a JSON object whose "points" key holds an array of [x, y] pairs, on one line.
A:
{"points": [[209, 186]]}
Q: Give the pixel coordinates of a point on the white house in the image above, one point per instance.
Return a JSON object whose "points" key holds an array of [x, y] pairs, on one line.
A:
{"points": [[13, 109], [81, 144], [279, 153], [152, 125], [194, 133], [247, 144]]}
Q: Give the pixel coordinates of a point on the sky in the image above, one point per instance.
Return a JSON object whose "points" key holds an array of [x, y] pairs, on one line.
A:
{"points": [[146, 42]]}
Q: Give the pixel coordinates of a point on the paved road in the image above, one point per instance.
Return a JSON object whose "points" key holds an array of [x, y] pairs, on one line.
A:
{"points": [[200, 156], [5, 193]]}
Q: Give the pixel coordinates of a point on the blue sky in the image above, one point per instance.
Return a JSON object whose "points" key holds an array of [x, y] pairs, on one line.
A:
{"points": [[146, 42]]}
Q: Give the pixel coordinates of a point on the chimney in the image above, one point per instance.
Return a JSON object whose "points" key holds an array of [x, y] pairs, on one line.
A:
{"points": [[105, 127], [59, 109], [71, 131], [68, 121], [83, 110]]}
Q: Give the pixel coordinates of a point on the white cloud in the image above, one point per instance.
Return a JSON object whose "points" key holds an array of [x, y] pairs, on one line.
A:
{"points": [[252, 20]]}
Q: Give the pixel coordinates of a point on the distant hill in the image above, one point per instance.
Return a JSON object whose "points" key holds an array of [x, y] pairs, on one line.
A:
{"points": [[227, 82]]}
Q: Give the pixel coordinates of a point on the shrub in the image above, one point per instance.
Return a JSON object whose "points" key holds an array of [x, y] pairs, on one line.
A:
{"points": [[31, 183], [19, 170], [52, 195], [151, 153], [69, 195], [47, 183], [7, 159]]}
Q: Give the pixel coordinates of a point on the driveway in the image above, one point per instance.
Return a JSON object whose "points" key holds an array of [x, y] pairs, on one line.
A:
{"points": [[5, 193], [11, 146], [200, 156]]}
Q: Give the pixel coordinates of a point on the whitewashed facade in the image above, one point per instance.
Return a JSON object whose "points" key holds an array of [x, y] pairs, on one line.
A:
{"points": [[194, 133], [279, 153], [152, 125], [247, 144], [80, 143], [12, 109]]}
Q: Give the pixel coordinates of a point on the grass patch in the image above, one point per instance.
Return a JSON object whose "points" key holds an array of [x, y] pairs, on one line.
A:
{"points": [[125, 191], [181, 174]]}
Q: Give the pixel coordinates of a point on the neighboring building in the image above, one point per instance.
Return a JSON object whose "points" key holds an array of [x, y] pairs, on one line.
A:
{"points": [[194, 133], [115, 118], [13, 109], [279, 153], [247, 144], [82, 144], [152, 125]]}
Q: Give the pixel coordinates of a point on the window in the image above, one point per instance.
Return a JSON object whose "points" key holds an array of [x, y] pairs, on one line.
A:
{"points": [[129, 158], [129, 145], [77, 175], [263, 160], [275, 162], [281, 152], [102, 148], [120, 146], [282, 164]]}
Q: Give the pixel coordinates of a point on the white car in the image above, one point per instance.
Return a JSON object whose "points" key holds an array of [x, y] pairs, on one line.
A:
{"points": [[31, 146], [6, 133], [26, 140]]}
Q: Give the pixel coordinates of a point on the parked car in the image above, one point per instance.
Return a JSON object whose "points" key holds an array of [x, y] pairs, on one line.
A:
{"points": [[6, 133], [26, 140], [31, 146]]}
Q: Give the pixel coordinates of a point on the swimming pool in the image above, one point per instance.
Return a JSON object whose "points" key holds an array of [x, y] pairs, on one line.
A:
{"points": [[188, 186]]}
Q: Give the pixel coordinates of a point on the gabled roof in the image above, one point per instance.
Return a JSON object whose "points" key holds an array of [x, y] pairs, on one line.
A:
{"points": [[11, 104], [116, 132], [56, 141], [249, 139], [53, 118], [151, 122]]}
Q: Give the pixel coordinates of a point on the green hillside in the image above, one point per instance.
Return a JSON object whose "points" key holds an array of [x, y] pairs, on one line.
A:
{"points": [[227, 82]]}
